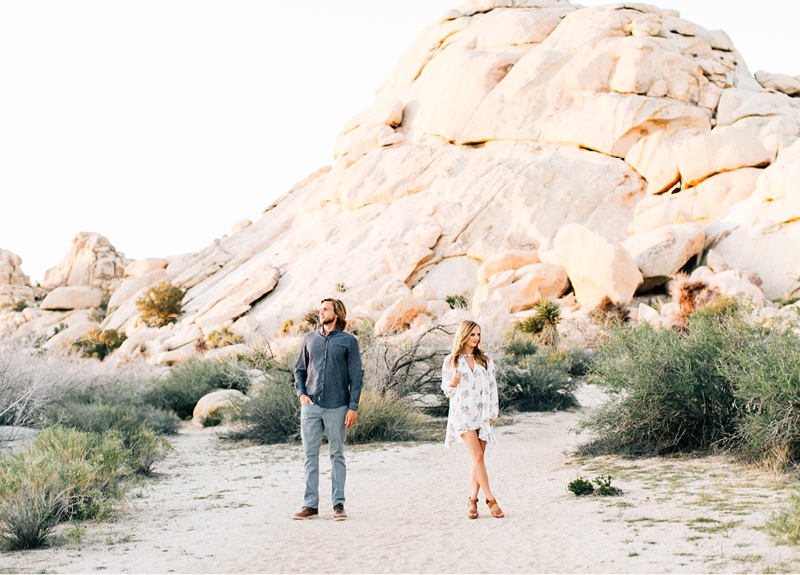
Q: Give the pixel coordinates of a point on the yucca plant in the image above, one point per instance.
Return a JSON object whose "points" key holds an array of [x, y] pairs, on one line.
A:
{"points": [[542, 326]]}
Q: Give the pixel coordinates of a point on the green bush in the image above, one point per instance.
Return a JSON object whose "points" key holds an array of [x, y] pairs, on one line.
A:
{"points": [[28, 515], [97, 343], [222, 338], [535, 382], [278, 371], [387, 418], [190, 380], [111, 408], [146, 449], [784, 525], [604, 486], [85, 467], [667, 392], [581, 487], [457, 301], [765, 372], [272, 416], [161, 304], [19, 305]]}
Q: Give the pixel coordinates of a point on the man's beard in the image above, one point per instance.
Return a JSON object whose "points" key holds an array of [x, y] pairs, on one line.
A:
{"points": [[328, 321]]}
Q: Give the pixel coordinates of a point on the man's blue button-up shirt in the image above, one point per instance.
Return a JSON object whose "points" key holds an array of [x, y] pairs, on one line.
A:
{"points": [[328, 369]]}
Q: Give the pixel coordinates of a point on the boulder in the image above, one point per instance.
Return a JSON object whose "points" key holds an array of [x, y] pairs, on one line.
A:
{"points": [[736, 282], [187, 334], [454, 276], [762, 233], [91, 261], [399, 315], [660, 253], [160, 357], [506, 261], [424, 289], [648, 314], [215, 401], [72, 297], [654, 212], [723, 149], [716, 262], [239, 225], [144, 266], [134, 285], [596, 266], [437, 307], [532, 283], [228, 351], [71, 333], [497, 281], [655, 157], [789, 85], [14, 284]]}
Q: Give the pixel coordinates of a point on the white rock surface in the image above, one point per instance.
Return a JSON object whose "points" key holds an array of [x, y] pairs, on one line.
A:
{"points": [[14, 284], [214, 401], [723, 149], [596, 266], [660, 253], [735, 282], [503, 123], [239, 225], [91, 261], [501, 262], [532, 283], [145, 265], [72, 297], [397, 316], [135, 285]]}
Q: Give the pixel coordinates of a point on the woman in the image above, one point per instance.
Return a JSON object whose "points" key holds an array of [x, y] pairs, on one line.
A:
{"points": [[468, 380]]}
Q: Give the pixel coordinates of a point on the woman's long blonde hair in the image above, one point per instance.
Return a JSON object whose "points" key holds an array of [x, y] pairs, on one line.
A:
{"points": [[462, 335]]}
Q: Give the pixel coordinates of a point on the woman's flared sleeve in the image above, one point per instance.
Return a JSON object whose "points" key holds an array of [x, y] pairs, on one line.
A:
{"points": [[494, 401], [448, 371]]}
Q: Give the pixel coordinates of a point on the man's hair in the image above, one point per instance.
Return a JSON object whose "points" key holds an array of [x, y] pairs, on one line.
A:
{"points": [[340, 310]]}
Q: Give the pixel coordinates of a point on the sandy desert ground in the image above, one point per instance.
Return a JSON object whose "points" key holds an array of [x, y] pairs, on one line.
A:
{"points": [[217, 507]]}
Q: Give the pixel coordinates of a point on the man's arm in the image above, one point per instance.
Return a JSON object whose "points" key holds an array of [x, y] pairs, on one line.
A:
{"points": [[301, 371], [354, 374]]}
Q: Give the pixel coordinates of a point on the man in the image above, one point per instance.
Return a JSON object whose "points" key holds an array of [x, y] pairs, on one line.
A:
{"points": [[328, 382]]}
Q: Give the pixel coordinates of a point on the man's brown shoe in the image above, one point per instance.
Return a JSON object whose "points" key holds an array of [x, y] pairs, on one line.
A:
{"points": [[339, 513], [306, 513]]}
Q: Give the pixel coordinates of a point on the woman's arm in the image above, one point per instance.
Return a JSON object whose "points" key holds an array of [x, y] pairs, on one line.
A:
{"points": [[450, 378], [494, 403]]}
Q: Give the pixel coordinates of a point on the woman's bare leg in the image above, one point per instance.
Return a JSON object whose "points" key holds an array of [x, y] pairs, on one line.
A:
{"points": [[473, 480], [478, 467]]}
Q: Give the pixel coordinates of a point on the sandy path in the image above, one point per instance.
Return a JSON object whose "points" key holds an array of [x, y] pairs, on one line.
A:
{"points": [[224, 508]]}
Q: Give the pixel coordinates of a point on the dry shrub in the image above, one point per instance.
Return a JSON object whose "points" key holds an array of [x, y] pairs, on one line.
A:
{"points": [[161, 304], [30, 382], [690, 295], [221, 338], [29, 515], [608, 312]]}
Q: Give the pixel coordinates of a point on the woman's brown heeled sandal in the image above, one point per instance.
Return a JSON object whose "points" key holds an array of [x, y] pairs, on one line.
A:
{"points": [[473, 508], [495, 508]]}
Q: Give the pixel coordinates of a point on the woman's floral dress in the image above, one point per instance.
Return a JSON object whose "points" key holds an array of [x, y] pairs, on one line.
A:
{"points": [[473, 402]]}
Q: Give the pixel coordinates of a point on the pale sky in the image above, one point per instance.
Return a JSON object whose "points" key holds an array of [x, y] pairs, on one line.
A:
{"points": [[160, 123]]}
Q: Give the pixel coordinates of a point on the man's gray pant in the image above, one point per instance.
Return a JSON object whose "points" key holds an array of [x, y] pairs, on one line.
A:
{"points": [[313, 420]]}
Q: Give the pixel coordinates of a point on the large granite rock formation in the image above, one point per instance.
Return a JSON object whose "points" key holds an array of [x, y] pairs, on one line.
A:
{"points": [[505, 122]]}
